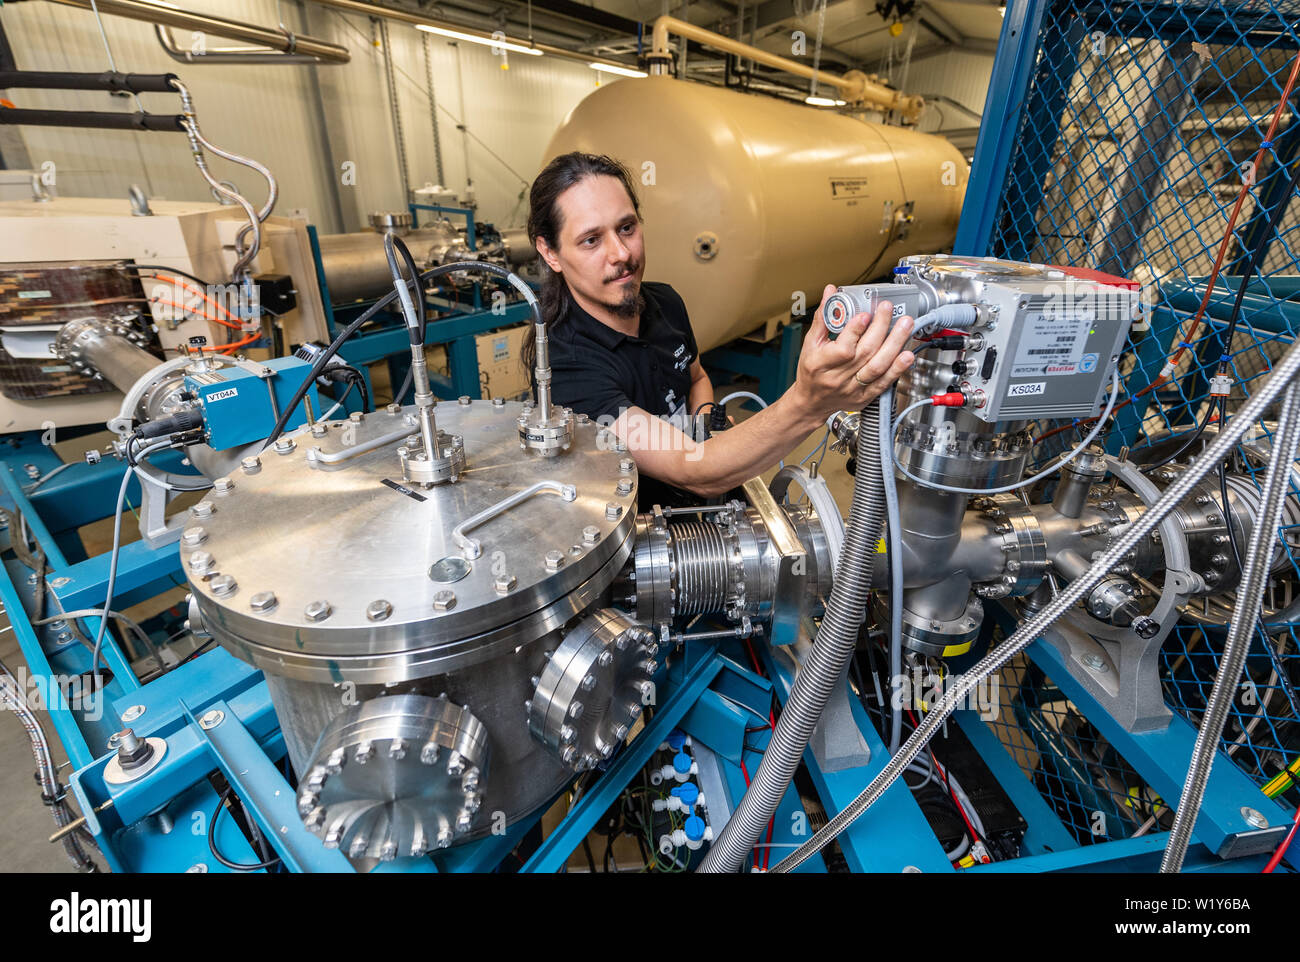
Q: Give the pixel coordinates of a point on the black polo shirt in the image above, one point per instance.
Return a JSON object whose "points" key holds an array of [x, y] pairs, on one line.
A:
{"points": [[600, 372]]}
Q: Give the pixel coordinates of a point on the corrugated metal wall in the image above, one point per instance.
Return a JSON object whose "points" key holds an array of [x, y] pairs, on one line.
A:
{"points": [[273, 113], [963, 77]]}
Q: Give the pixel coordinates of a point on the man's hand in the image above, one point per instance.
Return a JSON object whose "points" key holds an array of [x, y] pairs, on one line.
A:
{"points": [[855, 368]]}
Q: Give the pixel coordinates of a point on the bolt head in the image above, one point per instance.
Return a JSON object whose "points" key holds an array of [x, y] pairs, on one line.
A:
{"points": [[613, 511], [624, 487], [444, 600], [590, 534], [318, 611], [212, 719], [625, 465], [319, 429], [588, 682], [194, 536], [356, 417], [223, 485], [285, 445], [378, 610], [505, 583], [553, 560], [1254, 818], [223, 585], [132, 713], [575, 710], [263, 601], [201, 561], [605, 658], [394, 408], [251, 465], [203, 509], [498, 402], [621, 732]]}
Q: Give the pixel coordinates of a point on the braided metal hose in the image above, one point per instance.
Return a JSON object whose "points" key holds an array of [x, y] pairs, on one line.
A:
{"points": [[824, 667], [1250, 414], [1245, 615], [11, 698]]}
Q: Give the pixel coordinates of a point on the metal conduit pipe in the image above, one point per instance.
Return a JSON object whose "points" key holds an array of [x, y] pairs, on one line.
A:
{"points": [[418, 20], [247, 55], [206, 23], [104, 347], [1284, 372], [1250, 594], [854, 85], [11, 697], [826, 661]]}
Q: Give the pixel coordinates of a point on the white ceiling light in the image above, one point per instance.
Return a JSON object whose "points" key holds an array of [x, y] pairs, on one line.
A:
{"points": [[823, 102], [485, 41], [612, 68]]}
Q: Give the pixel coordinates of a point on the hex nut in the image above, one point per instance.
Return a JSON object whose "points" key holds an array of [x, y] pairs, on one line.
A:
{"points": [[263, 601], [318, 611]]}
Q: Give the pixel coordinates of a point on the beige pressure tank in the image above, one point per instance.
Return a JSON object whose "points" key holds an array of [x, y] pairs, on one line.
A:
{"points": [[748, 199]]}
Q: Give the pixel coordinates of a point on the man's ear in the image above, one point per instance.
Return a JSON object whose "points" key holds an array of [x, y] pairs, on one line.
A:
{"points": [[548, 255]]}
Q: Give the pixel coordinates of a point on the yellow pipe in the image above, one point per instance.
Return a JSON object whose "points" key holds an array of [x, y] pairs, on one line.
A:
{"points": [[855, 86]]}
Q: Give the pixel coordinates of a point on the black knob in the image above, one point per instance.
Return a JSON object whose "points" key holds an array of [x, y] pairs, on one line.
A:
{"points": [[199, 342], [1145, 627]]}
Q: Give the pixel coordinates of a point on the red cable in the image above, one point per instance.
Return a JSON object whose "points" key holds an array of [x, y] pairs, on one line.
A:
{"points": [[193, 312], [226, 348], [1281, 849], [190, 287]]}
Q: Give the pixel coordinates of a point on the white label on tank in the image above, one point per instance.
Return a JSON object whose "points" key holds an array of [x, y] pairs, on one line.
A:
{"points": [[1027, 390], [25, 295], [222, 395], [1051, 344]]}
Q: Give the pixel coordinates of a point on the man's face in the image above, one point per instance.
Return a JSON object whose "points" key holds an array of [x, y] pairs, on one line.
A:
{"points": [[601, 251]]}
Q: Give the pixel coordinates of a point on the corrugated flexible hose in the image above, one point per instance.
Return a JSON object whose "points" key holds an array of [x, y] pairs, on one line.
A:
{"points": [[1250, 414], [1250, 593], [823, 669]]}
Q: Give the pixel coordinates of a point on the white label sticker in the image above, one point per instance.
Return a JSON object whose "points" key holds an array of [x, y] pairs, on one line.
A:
{"points": [[1027, 390], [1051, 344], [27, 295], [222, 395]]}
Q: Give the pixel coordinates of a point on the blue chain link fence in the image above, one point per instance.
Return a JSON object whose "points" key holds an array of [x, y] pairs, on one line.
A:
{"points": [[1139, 128]]}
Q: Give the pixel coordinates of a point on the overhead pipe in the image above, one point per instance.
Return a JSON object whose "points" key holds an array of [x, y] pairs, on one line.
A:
{"points": [[170, 16], [418, 20], [854, 86], [244, 55]]}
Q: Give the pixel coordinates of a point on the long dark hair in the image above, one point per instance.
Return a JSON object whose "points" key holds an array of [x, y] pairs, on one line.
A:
{"points": [[544, 221]]}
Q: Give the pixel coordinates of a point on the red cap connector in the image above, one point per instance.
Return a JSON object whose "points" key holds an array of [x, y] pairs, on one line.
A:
{"points": [[954, 400]]}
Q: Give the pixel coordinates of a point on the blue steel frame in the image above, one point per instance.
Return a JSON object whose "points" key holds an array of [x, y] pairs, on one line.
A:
{"points": [[1161, 758]]}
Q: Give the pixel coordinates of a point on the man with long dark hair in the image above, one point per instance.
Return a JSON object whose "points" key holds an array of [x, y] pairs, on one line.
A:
{"points": [[622, 350]]}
